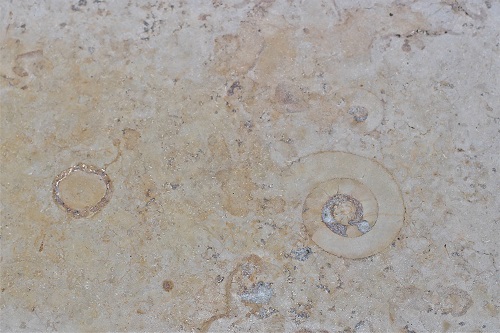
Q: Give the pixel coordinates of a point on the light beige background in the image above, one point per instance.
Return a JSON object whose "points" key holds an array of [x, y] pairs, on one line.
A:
{"points": [[196, 109]]}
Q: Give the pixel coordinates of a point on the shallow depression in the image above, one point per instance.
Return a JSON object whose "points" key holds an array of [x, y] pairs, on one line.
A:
{"points": [[80, 190]]}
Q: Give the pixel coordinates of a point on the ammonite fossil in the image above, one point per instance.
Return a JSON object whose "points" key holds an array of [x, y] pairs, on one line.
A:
{"points": [[352, 206]]}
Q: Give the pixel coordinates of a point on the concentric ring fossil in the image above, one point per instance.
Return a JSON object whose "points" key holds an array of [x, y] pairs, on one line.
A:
{"points": [[82, 190], [352, 208]]}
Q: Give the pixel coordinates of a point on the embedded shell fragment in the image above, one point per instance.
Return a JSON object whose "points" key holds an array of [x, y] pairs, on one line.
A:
{"points": [[318, 178], [77, 207], [325, 198], [361, 106]]}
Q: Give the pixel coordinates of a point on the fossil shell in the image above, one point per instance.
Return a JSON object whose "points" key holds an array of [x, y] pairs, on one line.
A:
{"points": [[84, 198], [352, 206]]}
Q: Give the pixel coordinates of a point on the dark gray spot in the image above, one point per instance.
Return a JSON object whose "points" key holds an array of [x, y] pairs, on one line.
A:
{"points": [[260, 293], [301, 254], [359, 113], [337, 228]]}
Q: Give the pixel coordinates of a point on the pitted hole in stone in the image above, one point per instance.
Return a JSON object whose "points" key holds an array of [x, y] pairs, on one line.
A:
{"points": [[260, 293], [82, 190], [359, 113], [342, 212]]}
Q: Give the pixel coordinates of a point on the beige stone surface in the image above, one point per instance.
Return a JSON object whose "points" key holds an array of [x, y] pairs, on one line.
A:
{"points": [[196, 110]]}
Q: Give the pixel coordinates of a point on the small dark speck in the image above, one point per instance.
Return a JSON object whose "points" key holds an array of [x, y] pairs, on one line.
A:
{"points": [[323, 287], [359, 113], [301, 254], [494, 170], [168, 285], [235, 85], [391, 14], [82, 3], [248, 124], [408, 330], [361, 323], [461, 323]]}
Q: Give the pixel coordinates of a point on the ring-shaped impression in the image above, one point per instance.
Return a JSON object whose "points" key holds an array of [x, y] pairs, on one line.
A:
{"points": [[353, 207]]}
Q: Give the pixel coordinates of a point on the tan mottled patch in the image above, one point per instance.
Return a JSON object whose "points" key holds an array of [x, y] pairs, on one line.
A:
{"points": [[237, 187], [237, 54], [131, 137]]}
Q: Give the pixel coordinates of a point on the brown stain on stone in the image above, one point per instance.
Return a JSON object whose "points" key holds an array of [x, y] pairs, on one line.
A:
{"points": [[277, 56], [11, 146], [237, 187], [406, 46], [273, 205], [20, 64], [253, 49], [34, 62], [219, 150], [353, 37], [492, 309], [168, 285], [247, 271], [289, 98], [19, 71], [237, 53], [455, 301], [205, 326], [80, 190], [131, 138]]}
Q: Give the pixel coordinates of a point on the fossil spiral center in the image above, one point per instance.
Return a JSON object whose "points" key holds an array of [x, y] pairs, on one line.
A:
{"points": [[343, 211]]}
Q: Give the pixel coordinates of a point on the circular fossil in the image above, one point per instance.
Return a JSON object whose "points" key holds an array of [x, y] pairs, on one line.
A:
{"points": [[346, 206], [353, 208], [82, 190]]}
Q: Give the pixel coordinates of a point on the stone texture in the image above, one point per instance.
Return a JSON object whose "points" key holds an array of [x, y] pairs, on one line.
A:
{"points": [[196, 111]]}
